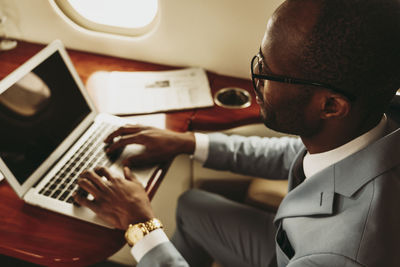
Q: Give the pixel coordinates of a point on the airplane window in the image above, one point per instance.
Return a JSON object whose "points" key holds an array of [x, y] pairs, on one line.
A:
{"points": [[128, 17]]}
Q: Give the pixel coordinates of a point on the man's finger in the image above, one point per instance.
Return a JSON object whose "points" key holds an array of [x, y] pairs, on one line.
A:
{"points": [[119, 144], [89, 187], [128, 174], [124, 130], [83, 201], [102, 171], [95, 179], [123, 142]]}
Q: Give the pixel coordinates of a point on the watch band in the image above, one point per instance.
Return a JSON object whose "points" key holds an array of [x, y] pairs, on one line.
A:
{"points": [[153, 224]]}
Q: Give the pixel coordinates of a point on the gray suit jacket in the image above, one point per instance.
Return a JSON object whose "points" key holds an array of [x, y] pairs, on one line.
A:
{"points": [[346, 215]]}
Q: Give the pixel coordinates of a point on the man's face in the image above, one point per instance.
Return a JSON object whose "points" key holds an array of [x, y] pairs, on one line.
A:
{"points": [[284, 107]]}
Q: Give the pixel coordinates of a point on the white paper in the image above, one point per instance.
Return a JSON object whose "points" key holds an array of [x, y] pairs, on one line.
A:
{"points": [[147, 92]]}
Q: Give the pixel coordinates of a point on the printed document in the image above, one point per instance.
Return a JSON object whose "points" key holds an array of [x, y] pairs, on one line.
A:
{"points": [[123, 93]]}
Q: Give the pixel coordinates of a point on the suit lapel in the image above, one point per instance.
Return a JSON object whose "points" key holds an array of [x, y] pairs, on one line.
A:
{"points": [[312, 197]]}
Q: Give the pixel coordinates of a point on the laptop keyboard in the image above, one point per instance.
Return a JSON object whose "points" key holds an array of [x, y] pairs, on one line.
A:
{"points": [[89, 155]]}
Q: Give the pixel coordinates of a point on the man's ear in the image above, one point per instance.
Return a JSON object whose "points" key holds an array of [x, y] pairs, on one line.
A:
{"points": [[335, 106]]}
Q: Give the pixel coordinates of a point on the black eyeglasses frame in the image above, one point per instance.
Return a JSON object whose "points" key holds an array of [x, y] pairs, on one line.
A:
{"points": [[290, 80]]}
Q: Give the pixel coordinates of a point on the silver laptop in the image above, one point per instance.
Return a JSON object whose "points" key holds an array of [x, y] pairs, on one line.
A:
{"points": [[51, 131]]}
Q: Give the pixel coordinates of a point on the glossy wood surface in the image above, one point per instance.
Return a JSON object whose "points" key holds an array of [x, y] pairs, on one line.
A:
{"points": [[46, 238]]}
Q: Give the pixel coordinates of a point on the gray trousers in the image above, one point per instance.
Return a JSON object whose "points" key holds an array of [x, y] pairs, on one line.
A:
{"points": [[211, 227]]}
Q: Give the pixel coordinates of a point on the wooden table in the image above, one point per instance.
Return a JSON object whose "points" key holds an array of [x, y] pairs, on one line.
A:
{"points": [[46, 238]]}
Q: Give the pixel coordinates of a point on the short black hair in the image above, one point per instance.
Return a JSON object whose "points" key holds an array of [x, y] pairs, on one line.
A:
{"points": [[355, 46]]}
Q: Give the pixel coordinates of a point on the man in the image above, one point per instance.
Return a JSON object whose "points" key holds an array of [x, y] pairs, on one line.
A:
{"points": [[326, 71]]}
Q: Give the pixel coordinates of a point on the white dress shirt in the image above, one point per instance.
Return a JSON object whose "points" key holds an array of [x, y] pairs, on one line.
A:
{"points": [[312, 164]]}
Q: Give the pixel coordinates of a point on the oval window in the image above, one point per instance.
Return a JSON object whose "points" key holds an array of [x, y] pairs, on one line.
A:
{"points": [[128, 17]]}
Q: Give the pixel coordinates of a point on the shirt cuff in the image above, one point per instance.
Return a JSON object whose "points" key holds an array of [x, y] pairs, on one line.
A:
{"points": [[148, 242], [201, 148]]}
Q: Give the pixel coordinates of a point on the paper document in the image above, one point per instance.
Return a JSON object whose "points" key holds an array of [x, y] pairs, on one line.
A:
{"points": [[147, 92]]}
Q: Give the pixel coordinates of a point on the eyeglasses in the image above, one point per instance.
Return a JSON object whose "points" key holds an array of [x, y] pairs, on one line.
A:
{"points": [[257, 78]]}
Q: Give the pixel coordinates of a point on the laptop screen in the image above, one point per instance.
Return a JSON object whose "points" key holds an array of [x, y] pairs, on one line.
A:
{"points": [[37, 113]]}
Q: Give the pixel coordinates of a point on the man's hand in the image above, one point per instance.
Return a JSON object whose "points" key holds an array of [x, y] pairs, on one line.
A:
{"points": [[161, 145], [117, 201]]}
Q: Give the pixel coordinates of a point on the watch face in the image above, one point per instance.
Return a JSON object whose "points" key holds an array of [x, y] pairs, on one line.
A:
{"points": [[138, 231], [135, 234]]}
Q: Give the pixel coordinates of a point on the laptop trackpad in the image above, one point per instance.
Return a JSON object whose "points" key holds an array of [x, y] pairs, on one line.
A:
{"points": [[142, 174]]}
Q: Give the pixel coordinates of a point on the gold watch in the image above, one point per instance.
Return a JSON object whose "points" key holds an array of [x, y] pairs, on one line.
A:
{"points": [[136, 232]]}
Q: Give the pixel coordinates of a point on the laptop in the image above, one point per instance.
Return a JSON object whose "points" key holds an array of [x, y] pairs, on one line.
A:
{"points": [[51, 132]]}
